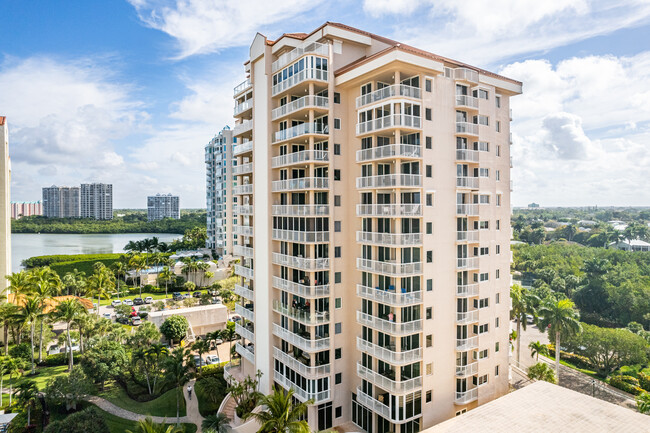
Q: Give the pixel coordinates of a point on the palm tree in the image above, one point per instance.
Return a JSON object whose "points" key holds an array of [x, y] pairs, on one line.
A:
{"points": [[101, 283], [643, 402], [4, 369], [44, 283], [280, 414], [74, 280], [201, 346], [68, 311], [29, 313], [522, 305], [27, 393], [165, 275], [14, 368], [137, 263], [228, 333], [217, 423], [18, 282], [178, 373], [536, 349], [562, 320], [7, 313], [147, 425], [541, 371], [119, 268], [155, 354]]}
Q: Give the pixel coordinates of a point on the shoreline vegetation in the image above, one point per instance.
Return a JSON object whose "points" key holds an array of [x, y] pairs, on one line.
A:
{"points": [[124, 221]]}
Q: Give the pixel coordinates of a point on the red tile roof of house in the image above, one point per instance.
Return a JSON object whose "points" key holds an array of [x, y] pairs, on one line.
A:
{"points": [[2, 120]]}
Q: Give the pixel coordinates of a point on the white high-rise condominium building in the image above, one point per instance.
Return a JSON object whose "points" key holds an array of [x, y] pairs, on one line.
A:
{"points": [[97, 201], [375, 264], [221, 204], [161, 206], [5, 210], [61, 202]]}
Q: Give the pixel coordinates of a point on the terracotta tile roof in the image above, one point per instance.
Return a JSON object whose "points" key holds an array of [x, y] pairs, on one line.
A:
{"points": [[50, 303], [2, 120]]}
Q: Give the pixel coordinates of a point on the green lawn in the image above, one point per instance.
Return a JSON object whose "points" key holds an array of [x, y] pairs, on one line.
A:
{"points": [[43, 375], [165, 405], [206, 407], [573, 366]]}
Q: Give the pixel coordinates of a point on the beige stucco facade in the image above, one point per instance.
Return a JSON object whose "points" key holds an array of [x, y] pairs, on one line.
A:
{"points": [[375, 256], [5, 205]]}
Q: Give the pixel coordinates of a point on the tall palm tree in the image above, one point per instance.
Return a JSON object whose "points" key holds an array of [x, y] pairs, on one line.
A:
{"points": [[74, 282], [201, 346], [29, 313], [156, 354], [537, 348], [522, 305], [189, 267], [27, 393], [14, 368], [44, 283], [147, 425], [18, 282], [178, 373], [562, 320], [119, 268], [217, 423], [280, 414], [7, 313], [100, 284], [69, 311], [4, 369], [138, 264], [165, 275]]}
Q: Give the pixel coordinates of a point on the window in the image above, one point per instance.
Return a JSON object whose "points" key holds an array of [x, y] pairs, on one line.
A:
{"points": [[498, 150], [429, 285], [428, 142], [428, 399], [338, 378], [337, 200], [481, 380], [498, 175], [429, 340], [496, 322], [498, 199], [337, 302], [338, 412], [337, 148], [497, 100], [337, 174], [482, 199], [481, 329], [337, 123], [337, 277], [483, 354], [429, 313], [429, 170], [337, 98], [429, 256], [498, 298], [337, 251], [496, 346], [427, 113], [498, 224], [496, 371], [483, 94], [429, 228], [337, 226], [429, 368], [483, 146], [460, 412], [429, 199], [337, 328], [498, 249], [498, 274], [481, 303], [427, 85], [498, 126], [483, 172], [337, 353], [483, 277]]}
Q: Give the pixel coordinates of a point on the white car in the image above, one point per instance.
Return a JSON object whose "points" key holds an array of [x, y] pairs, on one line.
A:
{"points": [[116, 303], [107, 316], [212, 359], [128, 302], [148, 300], [53, 350]]}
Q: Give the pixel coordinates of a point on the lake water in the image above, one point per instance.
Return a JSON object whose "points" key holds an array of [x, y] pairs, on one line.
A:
{"points": [[26, 245]]}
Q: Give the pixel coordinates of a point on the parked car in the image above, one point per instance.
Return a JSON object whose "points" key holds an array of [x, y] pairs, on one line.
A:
{"points": [[235, 318], [197, 294], [136, 321], [138, 301], [107, 316], [116, 303], [123, 320], [198, 361], [134, 312], [216, 301], [53, 350], [178, 296], [218, 341], [148, 300], [212, 359], [128, 302]]}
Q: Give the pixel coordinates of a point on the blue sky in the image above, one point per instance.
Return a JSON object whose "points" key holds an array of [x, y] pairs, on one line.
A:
{"points": [[129, 92]]}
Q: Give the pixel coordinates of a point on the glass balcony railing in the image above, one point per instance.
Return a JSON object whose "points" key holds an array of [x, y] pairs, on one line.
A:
{"points": [[390, 181], [466, 74], [301, 236], [246, 353], [467, 209], [240, 128], [303, 156], [296, 53], [466, 397], [467, 182], [309, 101], [241, 169], [388, 354], [467, 155], [389, 210], [241, 87], [390, 268], [467, 370], [305, 344], [466, 128], [303, 290], [389, 92], [465, 344], [302, 183], [390, 121], [466, 101], [243, 271], [467, 263], [389, 151], [245, 313], [299, 366], [299, 130], [303, 315], [306, 264], [242, 107], [242, 148], [300, 210], [389, 239], [388, 327], [467, 317], [299, 393], [309, 74], [390, 297], [383, 382], [467, 290], [244, 292], [242, 251]]}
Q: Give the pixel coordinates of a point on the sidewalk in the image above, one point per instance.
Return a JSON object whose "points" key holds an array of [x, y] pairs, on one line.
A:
{"points": [[123, 413], [192, 407]]}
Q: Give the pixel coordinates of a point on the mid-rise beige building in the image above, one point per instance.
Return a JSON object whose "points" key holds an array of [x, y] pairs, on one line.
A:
{"points": [[5, 205], [375, 262]]}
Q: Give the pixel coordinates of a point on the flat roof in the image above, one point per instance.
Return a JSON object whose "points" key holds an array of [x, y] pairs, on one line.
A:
{"points": [[543, 406]]}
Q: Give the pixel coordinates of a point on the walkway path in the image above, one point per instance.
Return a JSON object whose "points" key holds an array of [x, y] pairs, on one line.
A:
{"points": [[192, 406]]}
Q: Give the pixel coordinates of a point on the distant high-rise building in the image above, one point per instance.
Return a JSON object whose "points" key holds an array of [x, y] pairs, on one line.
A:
{"points": [[25, 208], [221, 203], [97, 201], [5, 218], [61, 202], [161, 206]]}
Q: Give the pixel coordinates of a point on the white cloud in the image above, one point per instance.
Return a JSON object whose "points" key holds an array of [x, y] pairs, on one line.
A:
{"points": [[565, 136], [207, 26], [377, 8]]}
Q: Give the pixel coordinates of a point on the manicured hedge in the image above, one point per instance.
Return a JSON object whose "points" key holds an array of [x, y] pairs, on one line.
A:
{"points": [[59, 359], [644, 381], [38, 261], [577, 360], [628, 384]]}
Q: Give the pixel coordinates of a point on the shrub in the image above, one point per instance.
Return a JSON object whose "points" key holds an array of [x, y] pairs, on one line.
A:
{"points": [[211, 370], [149, 288], [59, 359], [577, 360], [88, 420], [174, 328], [21, 351], [541, 371], [644, 381], [626, 383], [143, 314]]}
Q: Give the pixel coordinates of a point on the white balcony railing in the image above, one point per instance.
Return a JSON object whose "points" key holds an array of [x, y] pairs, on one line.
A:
{"points": [[467, 370], [390, 239], [244, 147], [467, 263], [304, 316], [388, 268], [467, 128], [383, 382], [306, 264], [467, 182], [308, 74], [296, 365], [241, 169], [373, 404], [244, 332], [387, 327], [466, 74], [466, 397], [388, 354], [467, 317], [245, 313], [244, 292], [466, 101], [390, 121], [301, 394], [302, 343], [467, 209], [241, 87], [390, 297], [245, 353], [242, 251], [244, 209], [300, 157], [389, 210], [389, 151], [467, 290], [300, 130], [300, 210], [289, 57], [305, 291], [300, 236], [242, 230], [389, 92], [309, 101], [242, 189], [300, 184], [244, 106], [243, 271], [240, 128], [469, 236], [467, 155], [390, 181], [465, 344]]}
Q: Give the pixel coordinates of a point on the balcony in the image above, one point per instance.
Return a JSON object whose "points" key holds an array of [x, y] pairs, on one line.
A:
{"points": [[467, 182], [243, 107], [390, 181], [303, 129], [299, 393], [389, 268], [303, 263], [243, 271], [303, 290], [387, 384], [300, 210], [296, 53], [467, 155], [243, 209], [465, 74], [467, 370], [373, 404], [467, 290], [244, 332], [301, 315], [300, 236], [388, 354], [245, 353], [242, 87], [242, 251], [466, 128], [242, 230], [389, 297], [244, 292], [405, 121], [306, 102], [308, 74], [298, 365], [241, 128], [242, 148], [467, 236], [305, 344], [389, 92], [300, 184], [467, 263], [389, 151], [389, 239], [239, 170], [304, 156], [465, 344], [466, 397], [389, 210], [467, 317], [466, 101], [387, 327], [467, 209], [245, 313]]}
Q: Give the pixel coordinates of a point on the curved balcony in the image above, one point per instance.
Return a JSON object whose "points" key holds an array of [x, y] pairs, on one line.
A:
{"points": [[387, 327], [389, 239], [300, 236], [467, 236], [466, 128], [296, 53], [244, 332], [394, 90], [304, 103], [389, 268], [242, 87], [245, 353], [239, 170], [387, 355], [467, 209], [244, 292], [307, 345], [467, 370], [467, 102], [465, 74], [389, 297], [305, 291], [392, 386], [401, 121], [242, 251], [303, 316], [465, 344], [467, 263], [240, 149], [299, 393], [467, 317], [243, 107], [308, 74], [298, 366], [390, 181], [466, 397], [466, 155], [304, 129], [467, 182], [390, 151], [243, 271], [302, 157], [303, 183], [389, 210], [245, 313], [242, 230], [242, 189], [467, 290], [302, 263], [300, 210]]}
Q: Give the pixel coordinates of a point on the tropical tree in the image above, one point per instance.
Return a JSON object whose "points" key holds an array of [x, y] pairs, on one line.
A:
{"points": [[178, 373], [280, 414], [562, 320], [174, 328], [4, 369], [229, 333], [119, 268], [15, 369], [165, 275], [201, 346], [29, 313], [522, 305], [74, 282], [643, 402], [26, 394], [18, 282], [147, 425], [156, 355], [101, 283], [44, 283], [541, 371], [7, 317], [217, 423], [69, 389], [137, 263], [68, 311], [536, 349], [190, 267]]}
